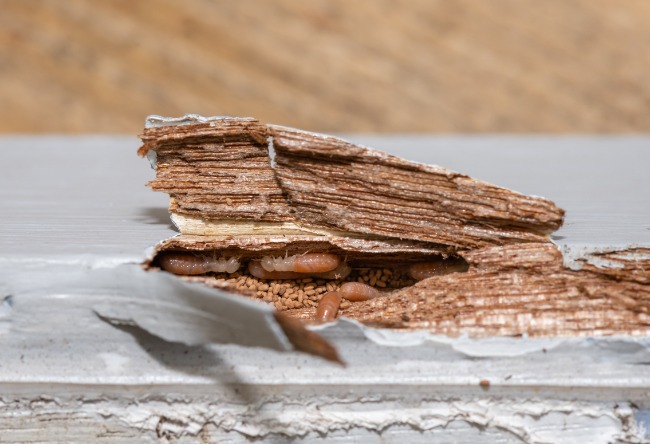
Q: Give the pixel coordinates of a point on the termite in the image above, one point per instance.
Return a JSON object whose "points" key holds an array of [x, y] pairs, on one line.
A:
{"points": [[302, 263], [439, 267], [190, 263], [328, 307], [357, 291], [340, 272], [323, 265], [256, 269]]}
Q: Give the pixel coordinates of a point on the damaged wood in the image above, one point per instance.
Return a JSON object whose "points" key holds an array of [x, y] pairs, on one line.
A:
{"points": [[222, 180], [365, 256], [333, 183], [216, 171], [631, 264], [314, 193], [306, 340], [520, 290], [256, 246]]}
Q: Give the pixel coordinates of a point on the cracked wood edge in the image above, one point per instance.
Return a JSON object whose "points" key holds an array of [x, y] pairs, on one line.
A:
{"points": [[220, 171], [520, 290], [216, 170], [516, 284], [334, 183]]}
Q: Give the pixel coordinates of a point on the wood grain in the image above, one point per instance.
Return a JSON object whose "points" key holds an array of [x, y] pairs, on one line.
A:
{"points": [[333, 183], [519, 290], [219, 170], [416, 66], [514, 281], [216, 171]]}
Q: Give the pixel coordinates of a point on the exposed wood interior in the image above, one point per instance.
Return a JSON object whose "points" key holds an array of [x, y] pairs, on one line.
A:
{"points": [[515, 282], [520, 290]]}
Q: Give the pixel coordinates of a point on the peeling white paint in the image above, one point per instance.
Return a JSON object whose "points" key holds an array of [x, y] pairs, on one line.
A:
{"points": [[529, 421], [65, 371], [485, 347], [575, 256], [154, 121]]}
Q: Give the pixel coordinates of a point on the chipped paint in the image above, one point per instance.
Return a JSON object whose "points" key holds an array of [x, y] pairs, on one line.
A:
{"points": [[576, 256], [67, 372]]}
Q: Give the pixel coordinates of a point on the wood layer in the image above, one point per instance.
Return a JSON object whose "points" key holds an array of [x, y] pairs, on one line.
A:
{"points": [[295, 244], [333, 183], [222, 171], [632, 264], [216, 171], [518, 290]]}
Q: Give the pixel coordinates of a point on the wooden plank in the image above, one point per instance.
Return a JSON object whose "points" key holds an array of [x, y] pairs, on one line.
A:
{"points": [[422, 66]]}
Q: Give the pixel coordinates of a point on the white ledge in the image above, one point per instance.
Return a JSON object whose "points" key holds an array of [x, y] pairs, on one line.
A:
{"points": [[78, 220]]}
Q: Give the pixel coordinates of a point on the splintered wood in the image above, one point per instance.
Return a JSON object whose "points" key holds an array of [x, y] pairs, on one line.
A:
{"points": [[216, 172], [517, 290], [334, 183], [434, 249], [221, 171]]}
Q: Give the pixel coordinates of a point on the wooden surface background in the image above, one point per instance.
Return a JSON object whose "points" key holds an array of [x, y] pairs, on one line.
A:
{"points": [[332, 65]]}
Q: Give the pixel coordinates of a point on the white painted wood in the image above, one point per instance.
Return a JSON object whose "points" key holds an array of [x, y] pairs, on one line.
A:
{"points": [[77, 220]]}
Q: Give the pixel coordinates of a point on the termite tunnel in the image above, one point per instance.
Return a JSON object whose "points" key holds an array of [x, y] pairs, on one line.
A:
{"points": [[302, 280]]}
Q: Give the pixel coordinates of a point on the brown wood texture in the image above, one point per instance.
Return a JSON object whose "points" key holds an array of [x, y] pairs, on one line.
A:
{"points": [[216, 171], [513, 280], [221, 171], [333, 183], [335, 65], [519, 290], [364, 249]]}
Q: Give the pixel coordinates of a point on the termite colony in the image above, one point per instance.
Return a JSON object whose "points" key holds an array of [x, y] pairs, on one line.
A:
{"points": [[321, 280]]}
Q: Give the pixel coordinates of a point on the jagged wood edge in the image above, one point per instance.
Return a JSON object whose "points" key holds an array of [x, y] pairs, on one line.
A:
{"points": [[519, 290], [332, 184]]}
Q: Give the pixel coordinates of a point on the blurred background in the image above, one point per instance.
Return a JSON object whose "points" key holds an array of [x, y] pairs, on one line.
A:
{"points": [[516, 66]]}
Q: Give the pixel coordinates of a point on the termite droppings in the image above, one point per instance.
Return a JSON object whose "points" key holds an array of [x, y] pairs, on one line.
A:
{"points": [[292, 289]]}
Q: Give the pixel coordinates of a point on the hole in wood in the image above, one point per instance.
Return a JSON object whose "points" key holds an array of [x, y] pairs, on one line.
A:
{"points": [[304, 280]]}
